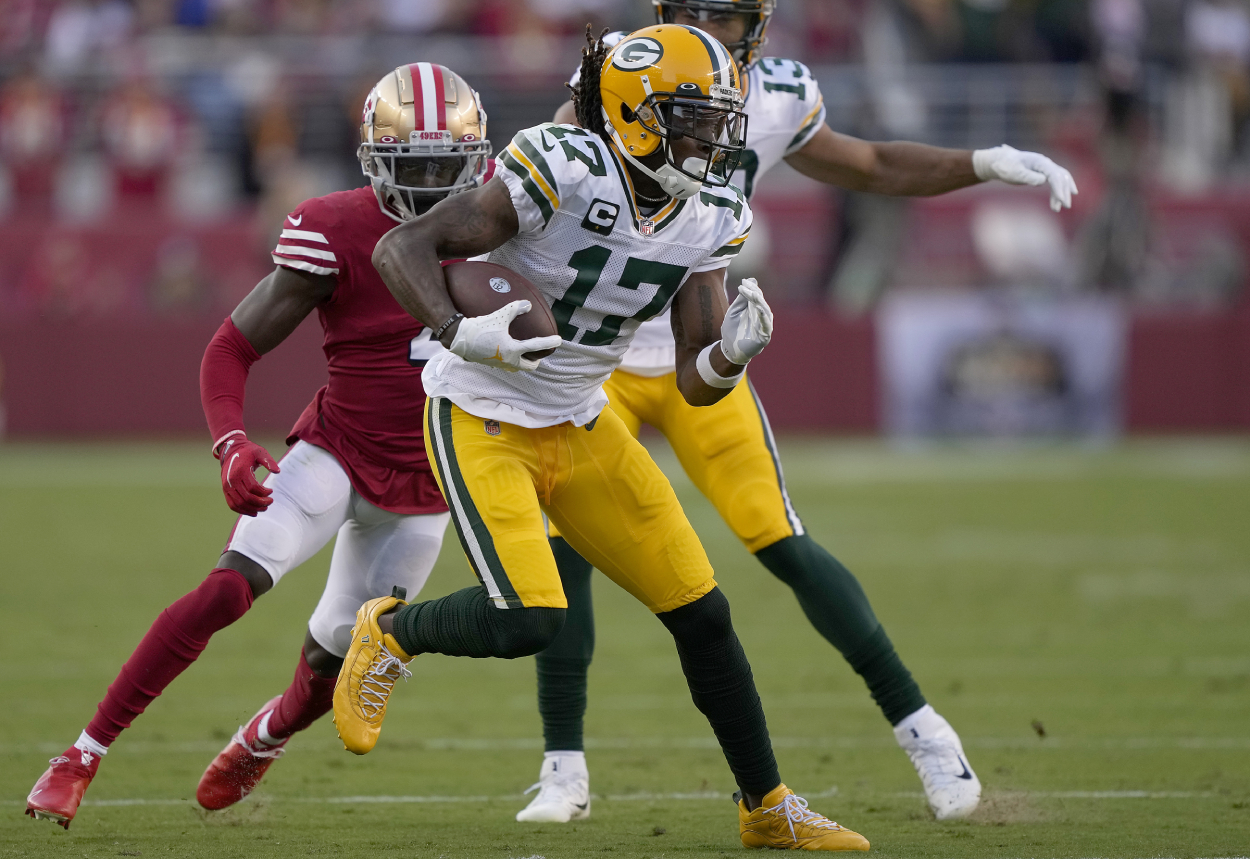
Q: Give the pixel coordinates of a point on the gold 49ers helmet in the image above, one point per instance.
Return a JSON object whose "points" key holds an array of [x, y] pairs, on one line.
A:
{"points": [[759, 12], [668, 82], [422, 138]]}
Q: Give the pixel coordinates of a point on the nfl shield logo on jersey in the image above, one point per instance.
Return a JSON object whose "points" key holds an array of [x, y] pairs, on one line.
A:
{"points": [[492, 427], [646, 227]]}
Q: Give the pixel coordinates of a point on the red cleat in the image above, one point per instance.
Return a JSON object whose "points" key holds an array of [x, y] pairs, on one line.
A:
{"points": [[239, 767], [59, 790]]}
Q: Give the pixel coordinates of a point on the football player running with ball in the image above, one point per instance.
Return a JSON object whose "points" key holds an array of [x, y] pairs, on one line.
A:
{"points": [[357, 468], [612, 221], [727, 450]]}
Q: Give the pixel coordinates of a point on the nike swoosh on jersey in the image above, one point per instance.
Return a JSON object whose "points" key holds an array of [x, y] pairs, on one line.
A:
{"points": [[294, 220]]}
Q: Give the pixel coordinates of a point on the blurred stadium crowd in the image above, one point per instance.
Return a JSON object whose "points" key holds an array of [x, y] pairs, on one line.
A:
{"points": [[150, 147]]}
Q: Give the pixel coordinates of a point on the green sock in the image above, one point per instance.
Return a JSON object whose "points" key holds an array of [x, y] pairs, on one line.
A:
{"points": [[834, 602], [563, 665], [467, 623]]}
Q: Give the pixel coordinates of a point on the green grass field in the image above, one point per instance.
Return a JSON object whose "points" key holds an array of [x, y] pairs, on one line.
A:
{"points": [[1102, 594]]}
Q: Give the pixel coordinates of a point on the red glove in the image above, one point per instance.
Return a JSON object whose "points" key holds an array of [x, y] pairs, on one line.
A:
{"points": [[239, 460]]}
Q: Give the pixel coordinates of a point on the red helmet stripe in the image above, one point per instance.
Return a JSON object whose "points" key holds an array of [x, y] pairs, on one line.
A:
{"points": [[427, 83], [440, 97], [418, 100]]}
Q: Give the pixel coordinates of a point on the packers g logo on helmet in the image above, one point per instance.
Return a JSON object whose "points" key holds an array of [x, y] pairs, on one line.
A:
{"points": [[670, 82], [634, 54]]}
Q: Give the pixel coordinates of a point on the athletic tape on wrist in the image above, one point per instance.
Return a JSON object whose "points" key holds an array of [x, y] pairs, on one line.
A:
{"points": [[708, 373]]}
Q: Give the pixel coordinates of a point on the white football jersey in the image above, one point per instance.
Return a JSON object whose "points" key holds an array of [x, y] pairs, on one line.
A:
{"points": [[602, 266], [784, 111]]}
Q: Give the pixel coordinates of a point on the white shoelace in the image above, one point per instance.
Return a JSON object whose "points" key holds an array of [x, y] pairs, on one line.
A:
{"points": [[545, 785], [796, 811], [378, 682]]}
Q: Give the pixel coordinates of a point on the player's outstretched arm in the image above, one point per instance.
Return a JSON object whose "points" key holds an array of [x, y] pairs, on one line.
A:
{"points": [[716, 339], [916, 170], [461, 226], [265, 318]]}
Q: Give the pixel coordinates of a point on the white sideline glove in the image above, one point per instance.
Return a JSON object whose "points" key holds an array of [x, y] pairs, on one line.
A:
{"points": [[1025, 168], [748, 324], [485, 340]]}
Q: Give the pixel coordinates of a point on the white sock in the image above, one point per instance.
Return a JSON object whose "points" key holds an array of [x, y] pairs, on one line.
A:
{"points": [[262, 732], [571, 760], [87, 743], [907, 726]]}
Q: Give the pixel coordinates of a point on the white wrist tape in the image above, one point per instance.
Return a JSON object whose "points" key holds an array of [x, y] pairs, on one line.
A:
{"points": [[708, 373]]}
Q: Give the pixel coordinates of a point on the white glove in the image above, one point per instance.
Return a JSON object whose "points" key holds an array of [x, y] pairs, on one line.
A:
{"points": [[748, 324], [1025, 168], [485, 340]]}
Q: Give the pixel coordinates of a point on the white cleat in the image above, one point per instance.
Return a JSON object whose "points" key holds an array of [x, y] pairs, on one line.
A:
{"points": [[950, 785], [563, 791]]}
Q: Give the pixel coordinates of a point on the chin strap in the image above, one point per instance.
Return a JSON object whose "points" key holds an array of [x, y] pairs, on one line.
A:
{"points": [[671, 180]]}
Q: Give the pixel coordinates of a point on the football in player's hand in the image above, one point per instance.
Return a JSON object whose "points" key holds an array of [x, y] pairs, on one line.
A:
{"points": [[479, 288]]}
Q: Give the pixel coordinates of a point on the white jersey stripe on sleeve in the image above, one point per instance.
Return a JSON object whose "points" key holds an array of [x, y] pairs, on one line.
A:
{"points": [[302, 265], [307, 235], [305, 252], [428, 90]]}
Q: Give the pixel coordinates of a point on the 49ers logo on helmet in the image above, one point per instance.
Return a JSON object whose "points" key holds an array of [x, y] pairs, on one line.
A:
{"points": [[430, 136], [388, 139], [635, 54]]}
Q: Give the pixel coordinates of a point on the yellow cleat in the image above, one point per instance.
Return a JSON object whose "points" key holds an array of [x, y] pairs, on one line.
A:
{"points": [[784, 822], [373, 663]]}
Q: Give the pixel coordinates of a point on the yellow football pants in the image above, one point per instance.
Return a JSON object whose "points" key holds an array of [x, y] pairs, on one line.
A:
{"points": [[596, 483], [727, 449]]}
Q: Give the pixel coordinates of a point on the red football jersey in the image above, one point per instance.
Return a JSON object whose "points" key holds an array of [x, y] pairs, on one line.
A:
{"points": [[369, 415]]}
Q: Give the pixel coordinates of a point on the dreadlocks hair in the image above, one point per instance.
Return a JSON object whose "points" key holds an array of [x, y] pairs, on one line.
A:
{"points": [[587, 102]]}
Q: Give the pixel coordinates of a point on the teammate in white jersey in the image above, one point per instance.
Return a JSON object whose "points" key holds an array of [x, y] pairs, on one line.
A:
{"points": [[728, 451], [613, 221]]}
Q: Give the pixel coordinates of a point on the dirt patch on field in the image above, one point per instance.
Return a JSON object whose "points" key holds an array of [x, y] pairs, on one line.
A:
{"points": [[1001, 808], [253, 810]]}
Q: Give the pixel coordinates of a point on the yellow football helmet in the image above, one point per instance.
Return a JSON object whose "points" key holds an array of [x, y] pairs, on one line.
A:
{"points": [[760, 11], [667, 82], [422, 138]]}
